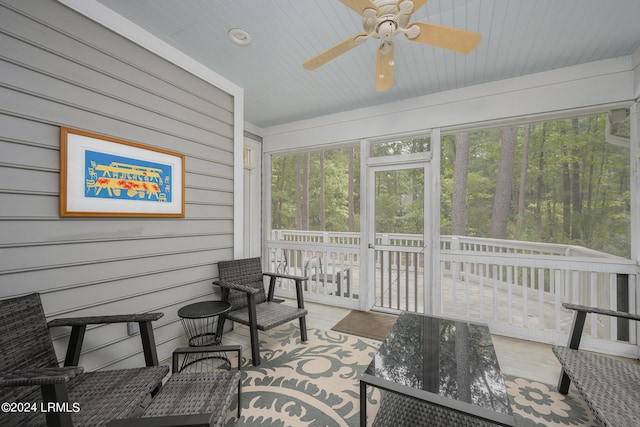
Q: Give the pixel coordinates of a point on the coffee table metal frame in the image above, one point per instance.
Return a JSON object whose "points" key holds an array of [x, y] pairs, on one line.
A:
{"points": [[203, 323]]}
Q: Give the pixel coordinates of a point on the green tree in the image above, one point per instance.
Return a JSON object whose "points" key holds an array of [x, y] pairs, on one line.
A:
{"points": [[573, 187]]}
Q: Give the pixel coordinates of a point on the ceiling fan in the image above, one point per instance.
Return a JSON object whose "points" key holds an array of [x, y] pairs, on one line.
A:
{"points": [[383, 19]]}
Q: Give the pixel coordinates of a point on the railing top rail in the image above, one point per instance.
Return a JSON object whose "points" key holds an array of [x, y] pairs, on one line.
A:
{"points": [[561, 249], [465, 243], [312, 246], [605, 265]]}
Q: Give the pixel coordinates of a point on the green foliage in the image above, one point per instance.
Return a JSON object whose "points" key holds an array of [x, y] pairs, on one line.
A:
{"points": [[400, 201], [285, 199], [576, 192], [576, 189]]}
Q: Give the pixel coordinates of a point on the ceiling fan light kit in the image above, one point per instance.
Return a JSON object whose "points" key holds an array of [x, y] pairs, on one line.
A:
{"points": [[383, 19]]}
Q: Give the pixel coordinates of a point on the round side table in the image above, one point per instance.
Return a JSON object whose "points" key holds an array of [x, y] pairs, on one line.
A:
{"points": [[203, 323]]}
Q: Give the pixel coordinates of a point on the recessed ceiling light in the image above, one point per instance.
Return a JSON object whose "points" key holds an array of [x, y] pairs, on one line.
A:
{"points": [[239, 36]]}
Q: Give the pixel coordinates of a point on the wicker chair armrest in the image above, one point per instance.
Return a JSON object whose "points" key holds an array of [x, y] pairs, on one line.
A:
{"points": [[603, 311], [38, 376], [298, 280], [238, 287], [79, 326], [96, 320], [287, 276]]}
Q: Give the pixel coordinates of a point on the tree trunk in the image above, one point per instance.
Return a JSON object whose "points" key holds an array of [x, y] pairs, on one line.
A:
{"points": [[276, 220], [566, 195], [321, 208], [352, 219], [524, 166], [504, 184], [304, 203], [576, 192], [459, 196], [540, 184]]}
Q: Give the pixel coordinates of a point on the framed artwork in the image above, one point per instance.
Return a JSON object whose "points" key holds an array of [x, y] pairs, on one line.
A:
{"points": [[104, 176]]}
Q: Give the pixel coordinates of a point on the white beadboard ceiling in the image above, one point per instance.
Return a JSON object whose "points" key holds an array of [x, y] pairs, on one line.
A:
{"points": [[519, 37]]}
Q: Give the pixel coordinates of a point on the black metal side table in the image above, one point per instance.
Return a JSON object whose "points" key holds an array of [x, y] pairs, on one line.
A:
{"points": [[203, 323]]}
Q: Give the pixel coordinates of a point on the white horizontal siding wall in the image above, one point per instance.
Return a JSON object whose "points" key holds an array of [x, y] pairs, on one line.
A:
{"points": [[58, 68]]}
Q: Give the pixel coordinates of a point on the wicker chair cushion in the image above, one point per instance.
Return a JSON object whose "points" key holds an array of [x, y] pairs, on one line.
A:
{"points": [[102, 396], [246, 272], [609, 386], [268, 314], [189, 393]]}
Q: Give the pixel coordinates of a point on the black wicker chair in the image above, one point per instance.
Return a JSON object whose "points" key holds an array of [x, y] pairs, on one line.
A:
{"points": [[31, 379], [608, 386], [242, 283]]}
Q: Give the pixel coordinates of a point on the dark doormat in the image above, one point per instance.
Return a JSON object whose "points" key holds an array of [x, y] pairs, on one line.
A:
{"points": [[367, 324]]}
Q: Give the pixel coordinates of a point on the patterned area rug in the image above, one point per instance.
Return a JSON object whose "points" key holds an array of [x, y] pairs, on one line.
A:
{"points": [[537, 404], [316, 384]]}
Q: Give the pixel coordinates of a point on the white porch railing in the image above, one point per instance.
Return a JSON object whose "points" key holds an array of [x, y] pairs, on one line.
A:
{"points": [[516, 287]]}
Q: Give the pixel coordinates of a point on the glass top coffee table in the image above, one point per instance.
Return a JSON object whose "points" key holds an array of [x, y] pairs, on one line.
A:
{"points": [[437, 371]]}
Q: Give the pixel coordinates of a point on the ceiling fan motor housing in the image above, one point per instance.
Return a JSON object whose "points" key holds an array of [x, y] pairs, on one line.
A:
{"points": [[390, 19], [386, 29]]}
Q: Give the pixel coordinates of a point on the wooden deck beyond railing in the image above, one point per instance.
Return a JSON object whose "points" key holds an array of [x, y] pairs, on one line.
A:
{"points": [[516, 287]]}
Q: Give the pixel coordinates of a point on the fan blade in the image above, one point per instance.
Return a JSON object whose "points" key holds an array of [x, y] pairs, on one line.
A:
{"points": [[446, 37], [417, 4], [384, 66], [333, 52], [360, 5]]}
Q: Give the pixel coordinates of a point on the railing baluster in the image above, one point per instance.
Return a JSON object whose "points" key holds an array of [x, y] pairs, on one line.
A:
{"points": [[497, 271], [593, 285], [510, 285], [525, 296], [558, 290], [415, 282], [541, 285], [398, 278], [390, 278], [465, 276], [380, 256], [454, 286], [406, 281], [481, 274], [613, 302]]}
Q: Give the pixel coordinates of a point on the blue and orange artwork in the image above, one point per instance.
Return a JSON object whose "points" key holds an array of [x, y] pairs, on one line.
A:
{"points": [[108, 176]]}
